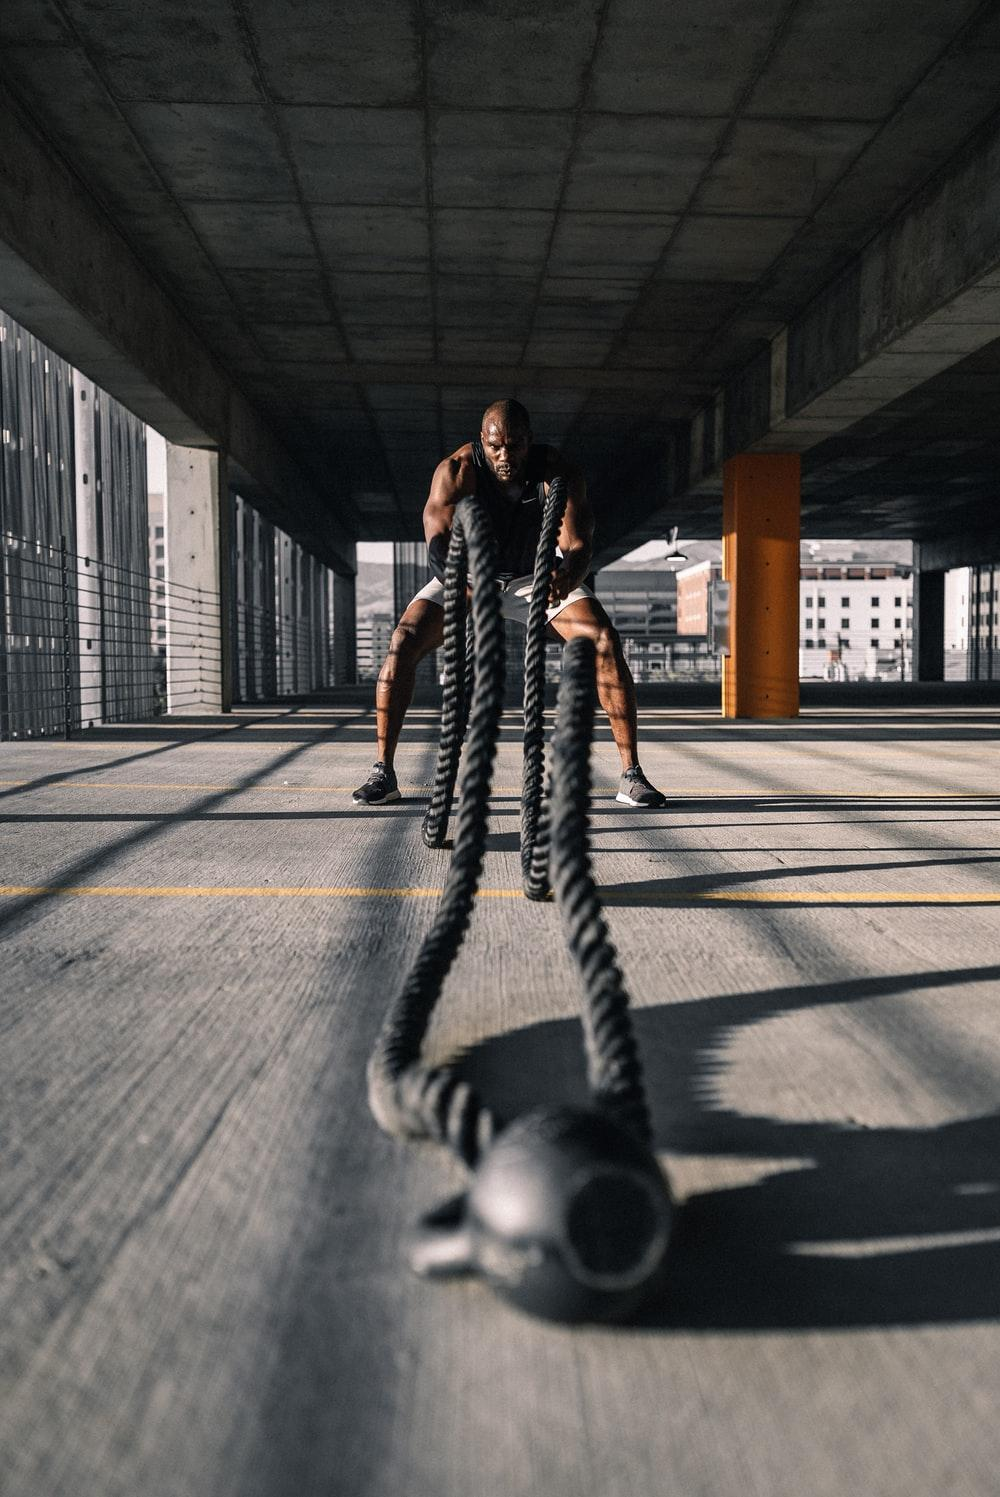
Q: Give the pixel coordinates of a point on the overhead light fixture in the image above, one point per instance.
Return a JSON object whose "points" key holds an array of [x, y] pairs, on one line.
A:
{"points": [[673, 551]]}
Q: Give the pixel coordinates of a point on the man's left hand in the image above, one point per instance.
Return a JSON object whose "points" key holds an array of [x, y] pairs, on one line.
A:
{"points": [[560, 584]]}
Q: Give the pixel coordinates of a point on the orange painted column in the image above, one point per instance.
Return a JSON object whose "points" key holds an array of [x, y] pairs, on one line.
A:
{"points": [[760, 560]]}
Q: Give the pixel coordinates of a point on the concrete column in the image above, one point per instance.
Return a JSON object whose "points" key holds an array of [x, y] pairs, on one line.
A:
{"points": [[928, 622], [227, 587], [198, 528], [760, 560], [345, 633], [88, 549]]}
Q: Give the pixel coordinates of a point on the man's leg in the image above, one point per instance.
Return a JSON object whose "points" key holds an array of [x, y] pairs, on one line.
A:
{"points": [[420, 630], [615, 687], [615, 691]]}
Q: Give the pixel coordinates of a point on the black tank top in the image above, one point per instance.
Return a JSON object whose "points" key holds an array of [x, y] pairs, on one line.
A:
{"points": [[516, 522]]}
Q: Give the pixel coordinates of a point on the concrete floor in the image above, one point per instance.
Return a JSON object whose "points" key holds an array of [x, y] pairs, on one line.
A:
{"points": [[202, 1291]]}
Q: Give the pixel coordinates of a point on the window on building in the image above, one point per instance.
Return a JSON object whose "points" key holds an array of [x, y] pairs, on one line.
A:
{"points": [[875, 644], [875, 623], [159, 571], [898, 602], [875, 601], [845, 602], [159, 553], [809, 644], [821, 600], [897, 623], [821, 643], [809, 604], [845, 623], [821, 623], [159, 532]]}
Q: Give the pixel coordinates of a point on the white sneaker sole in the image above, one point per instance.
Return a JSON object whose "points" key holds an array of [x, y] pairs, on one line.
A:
{"points": [[635, 805], [392, 795]]}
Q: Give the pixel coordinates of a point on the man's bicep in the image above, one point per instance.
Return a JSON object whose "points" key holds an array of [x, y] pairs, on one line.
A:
{"points": [[578, 523], [439, 511]]}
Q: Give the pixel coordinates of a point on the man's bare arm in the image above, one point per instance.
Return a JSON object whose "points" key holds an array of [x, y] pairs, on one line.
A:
{"points": [[576, 537], [454, 479]]}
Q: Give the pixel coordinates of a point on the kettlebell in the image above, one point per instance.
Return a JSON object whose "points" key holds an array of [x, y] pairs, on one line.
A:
{"points": [[568, 1217]]}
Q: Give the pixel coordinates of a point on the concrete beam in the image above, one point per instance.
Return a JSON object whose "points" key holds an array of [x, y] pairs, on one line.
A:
{"points": [[968, 549], [922, 295], [69, 276]]}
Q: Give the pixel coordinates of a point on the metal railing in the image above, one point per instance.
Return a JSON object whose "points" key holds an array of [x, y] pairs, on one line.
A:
{"points": [[85, 642]]}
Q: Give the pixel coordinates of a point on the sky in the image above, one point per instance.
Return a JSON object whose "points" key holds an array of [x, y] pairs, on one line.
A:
{"points": [[156, 462]]}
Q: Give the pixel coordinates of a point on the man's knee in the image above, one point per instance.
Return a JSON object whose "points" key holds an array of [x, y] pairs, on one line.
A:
{"points": [[608, 645], [406, 649]]}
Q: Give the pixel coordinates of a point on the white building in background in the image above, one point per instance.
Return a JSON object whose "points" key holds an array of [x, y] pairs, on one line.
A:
{"points": [[158, 571], [957, 613], [855, 619], [855, 608], [374, 633]]}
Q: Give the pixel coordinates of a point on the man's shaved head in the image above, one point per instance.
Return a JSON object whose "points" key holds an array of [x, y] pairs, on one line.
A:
{"points": [[510, 413], [506, 438]]}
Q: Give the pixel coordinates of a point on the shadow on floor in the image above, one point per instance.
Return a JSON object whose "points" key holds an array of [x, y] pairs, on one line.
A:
{"points": [[864, 1227]]}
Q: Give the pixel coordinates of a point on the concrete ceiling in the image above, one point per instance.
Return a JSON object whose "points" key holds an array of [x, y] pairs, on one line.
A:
{"points": [[380, 217]]}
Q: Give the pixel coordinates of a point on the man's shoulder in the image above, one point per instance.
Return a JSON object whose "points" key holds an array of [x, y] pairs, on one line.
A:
{"points": [[457, 471]]}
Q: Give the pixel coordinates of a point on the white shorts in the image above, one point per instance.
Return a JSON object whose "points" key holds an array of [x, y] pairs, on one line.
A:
{"points": [[514, 598]]}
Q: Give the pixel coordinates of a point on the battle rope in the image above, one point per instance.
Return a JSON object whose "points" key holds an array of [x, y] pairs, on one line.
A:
{"points": [[586, 1237], [457, 684], [534, 852], [407, 1097], [614, 1070], [459, 665]]}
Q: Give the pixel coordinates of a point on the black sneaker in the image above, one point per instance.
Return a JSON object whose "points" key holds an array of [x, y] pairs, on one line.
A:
{"points": [[635, 790], [379, 788]]}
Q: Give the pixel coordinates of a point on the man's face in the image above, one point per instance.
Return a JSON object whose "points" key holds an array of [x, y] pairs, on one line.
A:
{"points": [[506, 449]]}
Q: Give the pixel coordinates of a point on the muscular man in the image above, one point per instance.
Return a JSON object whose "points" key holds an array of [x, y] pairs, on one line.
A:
{"points": [[511, 476]]}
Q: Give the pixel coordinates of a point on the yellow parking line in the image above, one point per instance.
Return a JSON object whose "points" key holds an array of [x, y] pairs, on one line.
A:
{"points": [[694, 792], [617, 896]]}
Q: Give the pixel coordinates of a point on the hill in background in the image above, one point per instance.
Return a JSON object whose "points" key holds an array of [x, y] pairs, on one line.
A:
{"points": [[373, 589]]}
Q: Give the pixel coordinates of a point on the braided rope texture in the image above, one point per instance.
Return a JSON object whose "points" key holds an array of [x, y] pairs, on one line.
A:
{"points": [[469, 683], [406, 1097], [454, 704], [614, 1070], [534, 851]]}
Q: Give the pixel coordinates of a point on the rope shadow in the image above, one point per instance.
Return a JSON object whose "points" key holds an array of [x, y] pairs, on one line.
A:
{"points": [[52, 779], [199, 815], [863, 1227], [24, 908], [667, 890]]}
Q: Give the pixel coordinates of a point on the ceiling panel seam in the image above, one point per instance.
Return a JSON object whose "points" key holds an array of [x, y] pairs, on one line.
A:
{"points": [[570, 157], [329, 298], [986, 9], [119, 228], [425, 81], [181, 311], [764, 58]]}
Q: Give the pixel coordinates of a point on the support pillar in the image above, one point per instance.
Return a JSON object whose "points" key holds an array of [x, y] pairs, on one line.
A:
{"points": [[88, 568], [760, 560], [198, 528], [345, 652], [928, 622]]}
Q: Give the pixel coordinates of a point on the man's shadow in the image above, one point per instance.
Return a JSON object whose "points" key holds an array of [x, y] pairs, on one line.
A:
{"points": [[882, 1226]]}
